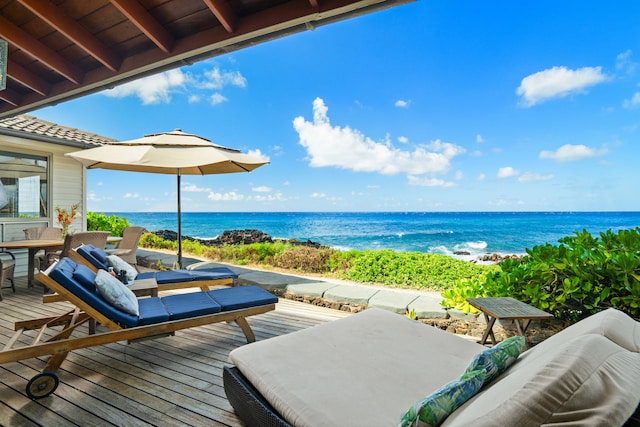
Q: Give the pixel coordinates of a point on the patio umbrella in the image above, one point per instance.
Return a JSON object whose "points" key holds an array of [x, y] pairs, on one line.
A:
{"points": [[176, 153]]}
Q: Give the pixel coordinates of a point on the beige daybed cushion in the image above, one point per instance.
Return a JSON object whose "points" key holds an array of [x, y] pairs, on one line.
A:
{"points": [[586, 381], [610, 323], [363, 370]]}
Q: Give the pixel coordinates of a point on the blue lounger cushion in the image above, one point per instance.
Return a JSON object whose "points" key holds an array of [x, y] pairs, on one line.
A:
{"points": [[98, 258], [240, 297], [75, 278], [181, 276], [85, 277], [193, 304], [152, 310], [63, 273], [168, 276]]}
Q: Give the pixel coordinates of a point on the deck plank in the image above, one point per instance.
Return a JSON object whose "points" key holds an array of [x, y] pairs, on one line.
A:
{"points": [[170, 381]]}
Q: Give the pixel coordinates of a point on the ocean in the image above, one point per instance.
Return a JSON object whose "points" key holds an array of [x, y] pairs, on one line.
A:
{"points": [[477, 233]]}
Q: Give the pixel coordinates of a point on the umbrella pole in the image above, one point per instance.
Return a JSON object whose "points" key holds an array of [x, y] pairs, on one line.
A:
{"points": [[179, 226]]}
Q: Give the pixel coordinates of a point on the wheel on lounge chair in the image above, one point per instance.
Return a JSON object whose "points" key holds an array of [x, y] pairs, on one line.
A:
{"points": [[42, 385]]}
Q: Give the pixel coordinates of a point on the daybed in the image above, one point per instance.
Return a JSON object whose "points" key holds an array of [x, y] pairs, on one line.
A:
{"points": [[96, 258], [102, 298], [370, 368]]}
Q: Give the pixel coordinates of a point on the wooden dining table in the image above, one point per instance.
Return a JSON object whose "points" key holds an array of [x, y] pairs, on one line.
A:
{"points": [[34, 245]]}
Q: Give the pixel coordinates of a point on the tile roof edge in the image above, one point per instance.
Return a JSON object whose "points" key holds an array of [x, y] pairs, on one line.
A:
{"points": [[31, 127]]}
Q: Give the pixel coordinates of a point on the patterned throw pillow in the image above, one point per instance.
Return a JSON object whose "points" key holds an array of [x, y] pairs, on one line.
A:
{"points": [[433, 409], [495, 360], [117, 294], [119, 264]]}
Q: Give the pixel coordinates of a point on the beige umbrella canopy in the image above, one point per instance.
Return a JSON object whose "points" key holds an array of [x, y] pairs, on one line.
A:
{"points": [[175, 153]]}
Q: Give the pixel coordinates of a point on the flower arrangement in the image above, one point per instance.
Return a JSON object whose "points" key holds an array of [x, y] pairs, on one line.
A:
{"points": [[66, 217]]}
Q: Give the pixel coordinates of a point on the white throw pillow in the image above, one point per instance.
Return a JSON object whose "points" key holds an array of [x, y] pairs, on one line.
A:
{"points": [[119, 264], [116, 293]]}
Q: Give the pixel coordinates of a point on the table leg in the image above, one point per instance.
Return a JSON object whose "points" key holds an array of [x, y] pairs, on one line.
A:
{"points": [[489, 331], [31, 266], [522, 328]]}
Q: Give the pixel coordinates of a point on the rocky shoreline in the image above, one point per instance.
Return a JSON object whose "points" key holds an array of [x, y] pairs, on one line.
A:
{"points": [[235, 237], [249, 236]]}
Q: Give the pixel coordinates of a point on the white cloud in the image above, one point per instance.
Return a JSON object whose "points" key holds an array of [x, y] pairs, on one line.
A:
{"points": [[479, 139], [570, 153], [459, 175], [633, 102], [257, 153], [532, 177], [318, 195], [346, 148], [557, 82], [216, 79], [400, 103], [193, 188], [429, 182], [261, 189], [269, 197], [625, 63], [151, 90], [507, 172], [159, 88], [217, 98], [403, 139], [230, 196], [99, 183], [481, 177]]}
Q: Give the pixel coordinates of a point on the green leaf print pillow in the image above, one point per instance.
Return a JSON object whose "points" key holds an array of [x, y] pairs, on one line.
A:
{"points": [[495, 360], [433, 409]]}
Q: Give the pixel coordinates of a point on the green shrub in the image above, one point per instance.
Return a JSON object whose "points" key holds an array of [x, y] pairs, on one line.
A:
{"points": [[150, 240], [580, 276], [412, 269], [102, 222]]}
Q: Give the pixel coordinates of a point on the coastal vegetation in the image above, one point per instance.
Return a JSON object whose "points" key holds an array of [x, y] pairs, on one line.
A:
{"points": [[385, 267], [581, 275], [102, 222]]}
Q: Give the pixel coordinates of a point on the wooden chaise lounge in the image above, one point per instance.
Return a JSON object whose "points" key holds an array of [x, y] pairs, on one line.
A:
{"points": [[158, 316], [96, 258]]}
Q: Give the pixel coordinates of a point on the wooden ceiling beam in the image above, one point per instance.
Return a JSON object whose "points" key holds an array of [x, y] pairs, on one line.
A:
{"points": [[27, 78], [224, 14], [141, 18], [10, 96], [34, 48], [60, 21]]}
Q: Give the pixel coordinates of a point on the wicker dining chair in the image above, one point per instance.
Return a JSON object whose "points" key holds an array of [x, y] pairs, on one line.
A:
{"points": [[72, 241], [47, 233], [7, 268], [127, 247]]}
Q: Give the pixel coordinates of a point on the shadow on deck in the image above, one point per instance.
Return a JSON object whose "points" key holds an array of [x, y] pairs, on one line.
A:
{"points": [[171, 381]]}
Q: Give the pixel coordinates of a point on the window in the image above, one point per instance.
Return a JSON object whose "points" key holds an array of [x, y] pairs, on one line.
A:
{"points": [[23, 185]]}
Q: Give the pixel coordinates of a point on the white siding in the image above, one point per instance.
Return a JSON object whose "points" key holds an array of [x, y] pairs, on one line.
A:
{"points": [[67, 185]]}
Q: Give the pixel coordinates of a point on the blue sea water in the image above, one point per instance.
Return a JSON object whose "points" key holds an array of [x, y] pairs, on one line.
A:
{"points": [[442, 233]]}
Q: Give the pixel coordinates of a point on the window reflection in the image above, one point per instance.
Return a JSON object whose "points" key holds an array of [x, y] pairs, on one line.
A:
{"points": [[23, 185]]}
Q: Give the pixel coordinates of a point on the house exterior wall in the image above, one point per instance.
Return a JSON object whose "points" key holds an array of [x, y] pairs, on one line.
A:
{"points": [[67, 185]]}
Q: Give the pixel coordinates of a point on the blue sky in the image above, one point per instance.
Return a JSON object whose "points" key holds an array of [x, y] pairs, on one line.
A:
{"points": [[431, 106]]}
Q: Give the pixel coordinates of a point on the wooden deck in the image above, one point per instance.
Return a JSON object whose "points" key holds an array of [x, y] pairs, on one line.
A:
{"points": [[172, 381]]}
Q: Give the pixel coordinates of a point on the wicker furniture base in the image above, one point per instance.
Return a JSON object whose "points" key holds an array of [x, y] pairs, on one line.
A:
{"points": [[248, 403]]}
